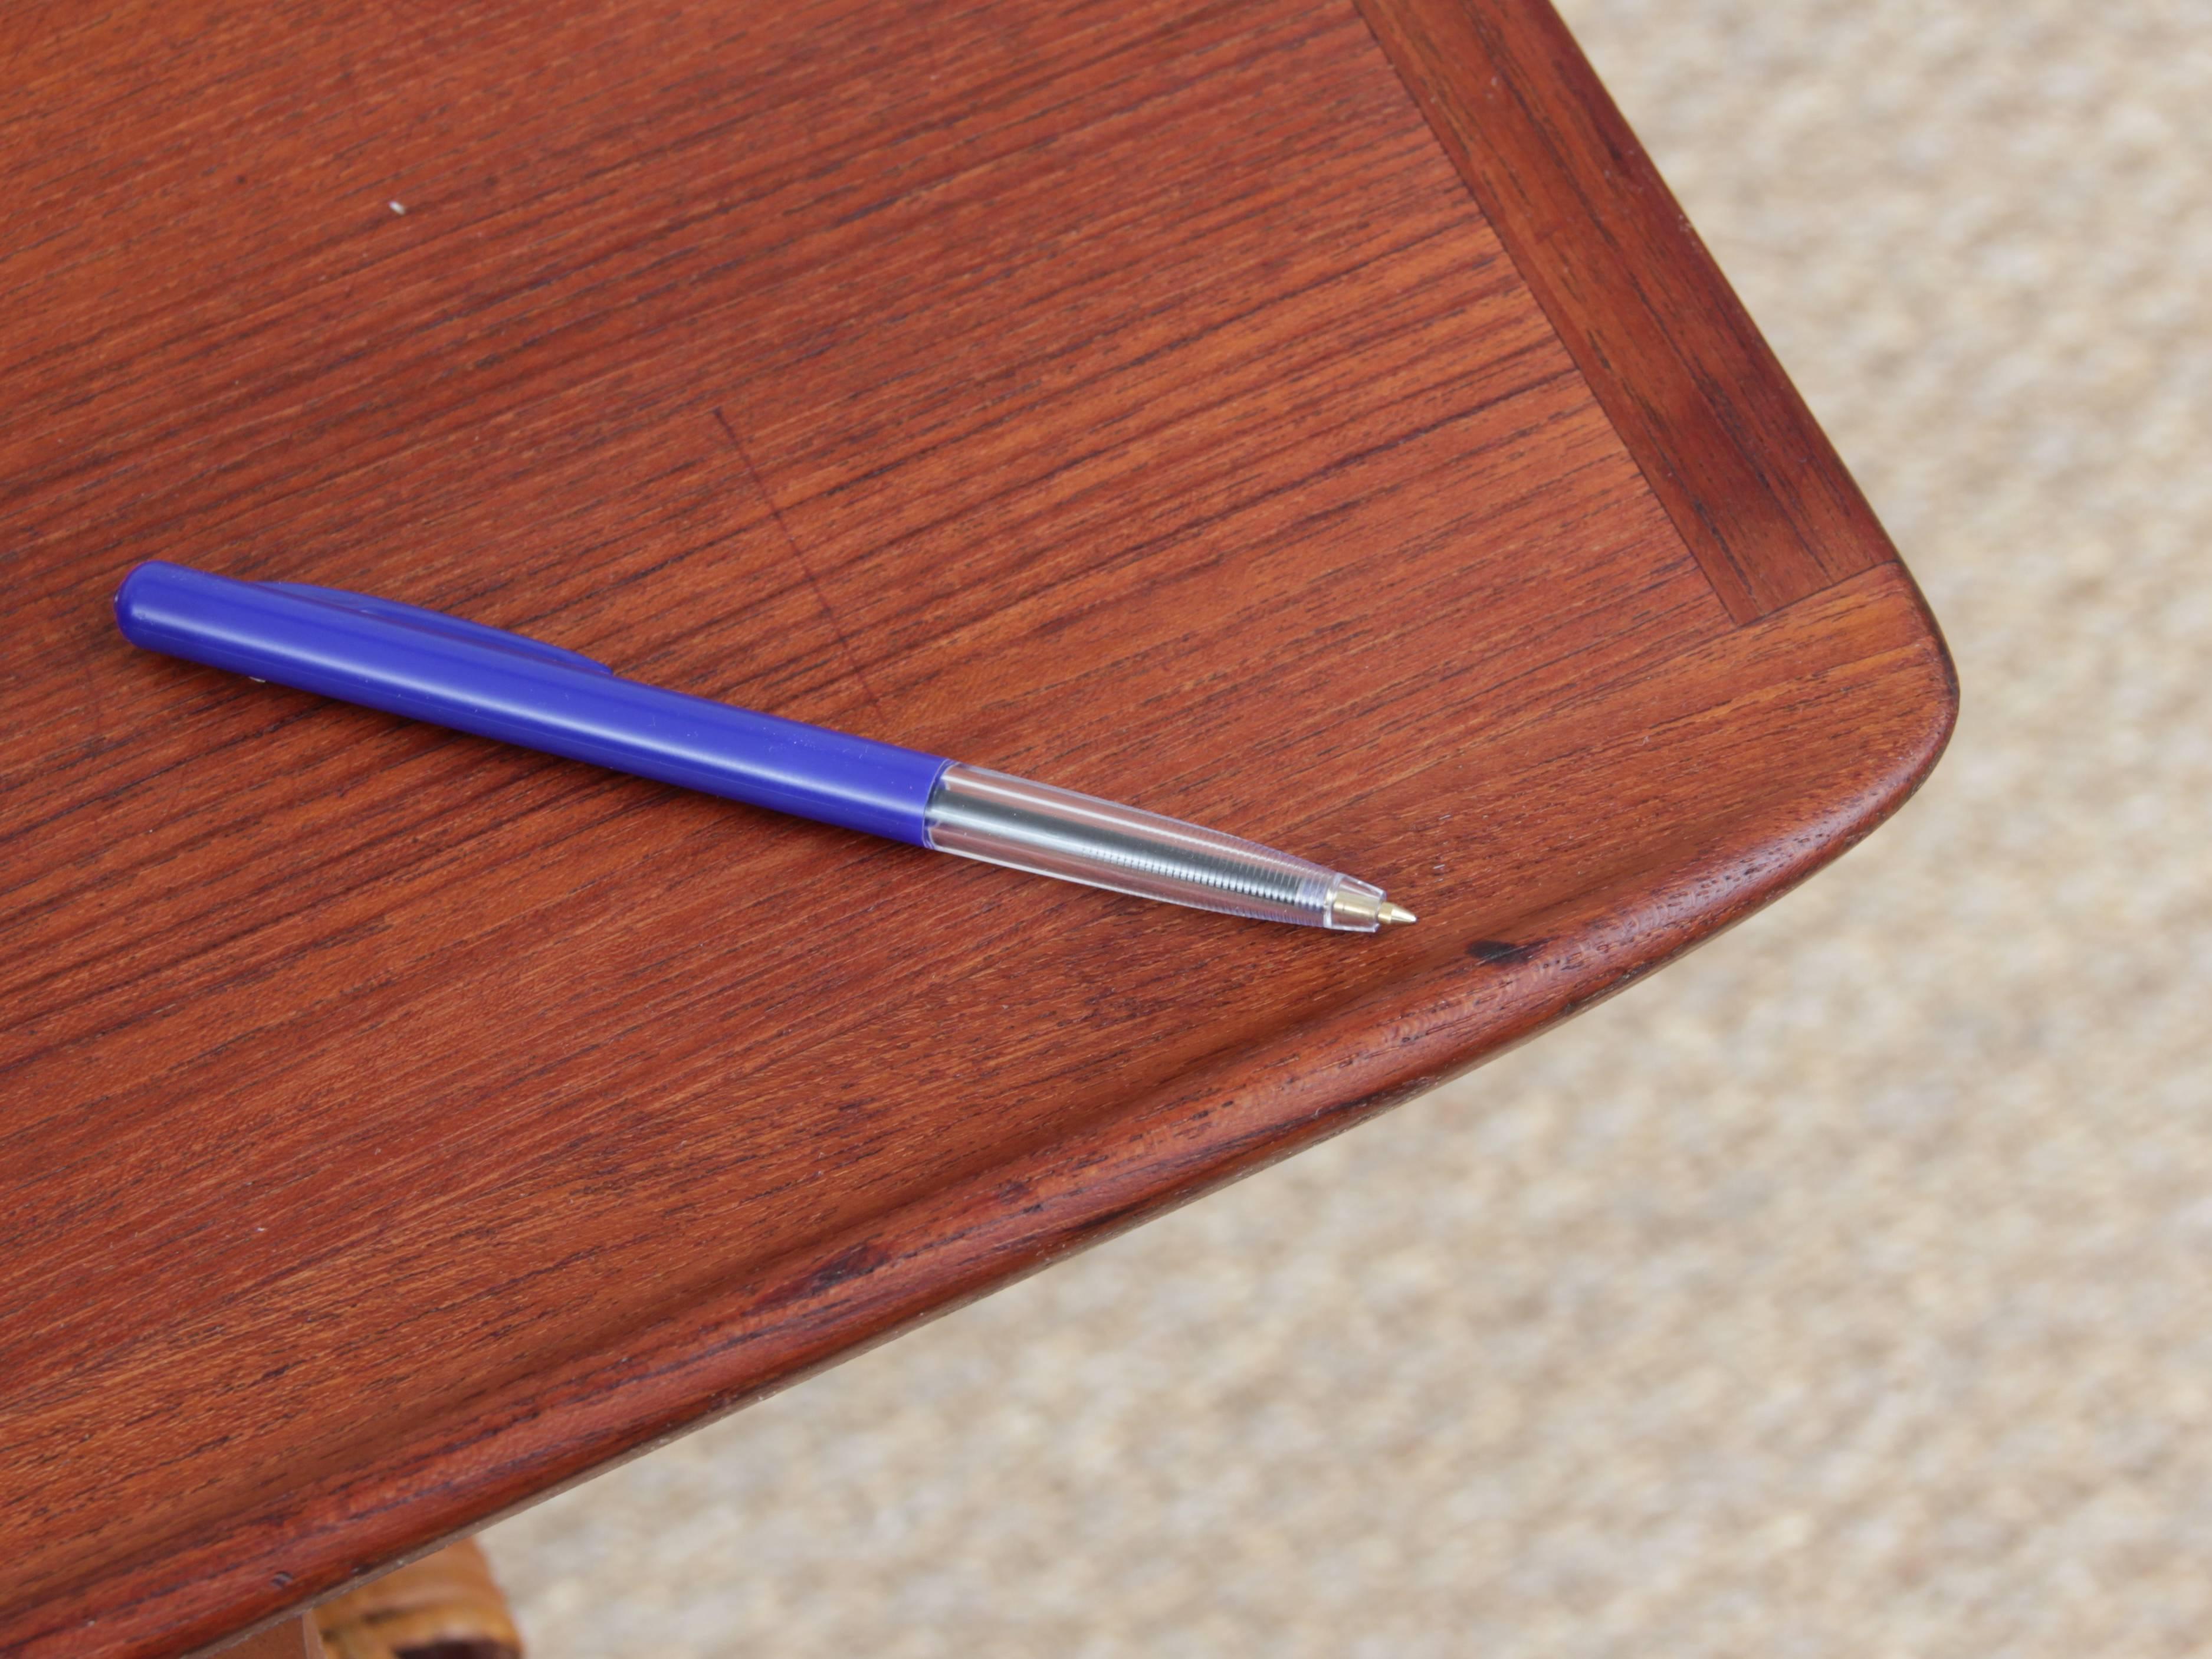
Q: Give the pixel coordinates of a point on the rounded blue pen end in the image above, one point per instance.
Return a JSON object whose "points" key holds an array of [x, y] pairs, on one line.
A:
{"points": [[138, 599]]}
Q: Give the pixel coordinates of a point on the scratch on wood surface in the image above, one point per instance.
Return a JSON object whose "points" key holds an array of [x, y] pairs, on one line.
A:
{"points": [[790, 541]]}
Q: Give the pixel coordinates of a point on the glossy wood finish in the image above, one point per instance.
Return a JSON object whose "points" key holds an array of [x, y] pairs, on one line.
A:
{"points": [[398, 1126], [1753, 485]]}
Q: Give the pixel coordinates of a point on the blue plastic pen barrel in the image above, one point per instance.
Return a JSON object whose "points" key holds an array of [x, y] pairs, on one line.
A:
{"points": [[429, 666]]}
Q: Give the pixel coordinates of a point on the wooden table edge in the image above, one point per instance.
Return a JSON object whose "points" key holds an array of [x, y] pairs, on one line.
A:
{"points": [[1774, 520], [1722, 436], [518, 1443]]}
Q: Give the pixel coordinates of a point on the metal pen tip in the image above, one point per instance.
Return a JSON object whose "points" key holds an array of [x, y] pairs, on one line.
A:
{"points": [[1394, 915]]}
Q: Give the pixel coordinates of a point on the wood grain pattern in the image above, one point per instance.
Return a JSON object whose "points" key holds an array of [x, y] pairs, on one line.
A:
{"points": [[397, 1126], [1751, 482]]}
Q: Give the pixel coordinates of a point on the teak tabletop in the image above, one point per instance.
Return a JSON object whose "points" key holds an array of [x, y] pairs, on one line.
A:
{"points": [[1310, 419]]}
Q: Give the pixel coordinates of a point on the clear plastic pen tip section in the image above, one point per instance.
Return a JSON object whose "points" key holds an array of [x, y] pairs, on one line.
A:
{"points": [[999, 819]]}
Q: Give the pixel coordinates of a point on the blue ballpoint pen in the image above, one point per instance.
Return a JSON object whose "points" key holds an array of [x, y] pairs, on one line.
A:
{"points": [[430, 667]]}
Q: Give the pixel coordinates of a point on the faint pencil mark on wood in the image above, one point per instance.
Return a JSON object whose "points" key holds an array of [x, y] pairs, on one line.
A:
{"points": [[791, 542]]}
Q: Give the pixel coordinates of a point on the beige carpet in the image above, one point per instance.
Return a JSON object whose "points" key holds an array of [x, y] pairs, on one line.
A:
{"points": [[1845, 1290]]}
